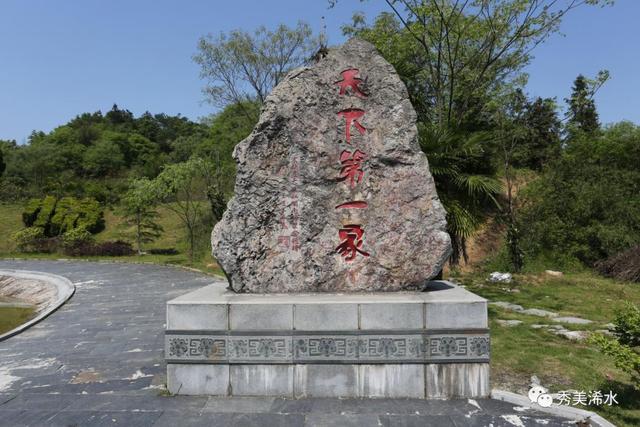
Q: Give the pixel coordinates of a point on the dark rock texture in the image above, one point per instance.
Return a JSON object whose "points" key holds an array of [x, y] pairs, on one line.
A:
{"points": [[322, 207]]}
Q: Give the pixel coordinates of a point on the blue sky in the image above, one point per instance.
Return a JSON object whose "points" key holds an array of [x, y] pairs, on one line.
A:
{"points": [[62, 58]]}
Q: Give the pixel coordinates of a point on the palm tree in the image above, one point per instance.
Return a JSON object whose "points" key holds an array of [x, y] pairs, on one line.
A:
{"points": [[465, 180]]}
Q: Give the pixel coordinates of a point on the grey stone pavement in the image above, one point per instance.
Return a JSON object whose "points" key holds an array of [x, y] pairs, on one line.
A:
{"points": [[98, 361]]}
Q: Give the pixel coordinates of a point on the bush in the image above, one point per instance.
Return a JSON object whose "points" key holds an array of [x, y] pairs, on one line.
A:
{"points": [[56, 217], [163, 251], [76, 237], [622, 266], [26, 239], [117, 248], [624, 350]]}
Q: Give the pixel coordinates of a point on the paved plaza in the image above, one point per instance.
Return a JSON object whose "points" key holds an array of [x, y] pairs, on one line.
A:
{"points": [[99, 360]]}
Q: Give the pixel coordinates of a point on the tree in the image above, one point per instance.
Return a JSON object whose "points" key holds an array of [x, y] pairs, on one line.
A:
{"points": [[465, 179], [456, 58], [181, 186], [463, 50], [139, 210], [542, 142], [582, 115], [586, 206], [117, 116], [241, 67], [511, 134], [104, 158]]}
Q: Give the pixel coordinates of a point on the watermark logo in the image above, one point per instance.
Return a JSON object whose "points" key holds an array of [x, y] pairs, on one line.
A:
{"points": [[541, 396]]}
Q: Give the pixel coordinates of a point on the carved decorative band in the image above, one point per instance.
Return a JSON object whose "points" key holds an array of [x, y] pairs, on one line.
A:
{"points": [[332, 347]]}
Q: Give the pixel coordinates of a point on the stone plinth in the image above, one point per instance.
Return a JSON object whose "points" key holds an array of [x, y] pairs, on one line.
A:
{"points": [[432, 344]]}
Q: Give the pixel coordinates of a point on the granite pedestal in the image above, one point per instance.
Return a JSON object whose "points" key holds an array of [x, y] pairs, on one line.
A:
{"points": [[432, 344]]}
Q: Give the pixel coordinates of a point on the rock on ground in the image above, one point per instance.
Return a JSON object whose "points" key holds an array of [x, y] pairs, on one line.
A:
{"points": [[497, 277], [509, 322], [320, 206], [539, 312], [572, 320]]}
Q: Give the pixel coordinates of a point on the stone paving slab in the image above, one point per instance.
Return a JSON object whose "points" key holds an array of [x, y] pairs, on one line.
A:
{"points": [[98, 361]]}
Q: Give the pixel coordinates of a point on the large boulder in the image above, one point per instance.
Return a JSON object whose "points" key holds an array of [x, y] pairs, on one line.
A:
{"points": [[320, 206]]}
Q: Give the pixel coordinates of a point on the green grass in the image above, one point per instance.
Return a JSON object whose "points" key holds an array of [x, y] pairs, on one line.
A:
{"points": [[11, 317], [518, 352]]}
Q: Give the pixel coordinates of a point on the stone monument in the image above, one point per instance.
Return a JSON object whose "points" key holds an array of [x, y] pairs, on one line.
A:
{"points": [[329, 243]]}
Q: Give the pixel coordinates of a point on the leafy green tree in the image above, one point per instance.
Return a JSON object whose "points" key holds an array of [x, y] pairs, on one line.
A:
{"points": [[453, 55], [119, 117], [582, 115], [93, 155], [511, 135], [229, 127], [182, 188], [586, 204], [240, 66], [139, 210], [104, 158]]}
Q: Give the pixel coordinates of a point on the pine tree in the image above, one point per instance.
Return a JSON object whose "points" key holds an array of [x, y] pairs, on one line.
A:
{"points": [[582, 114]]}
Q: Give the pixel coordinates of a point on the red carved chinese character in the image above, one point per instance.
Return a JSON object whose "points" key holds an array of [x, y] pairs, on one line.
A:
{"points": [[349, 79], [351, 166], [352, 115], [351, 237]]}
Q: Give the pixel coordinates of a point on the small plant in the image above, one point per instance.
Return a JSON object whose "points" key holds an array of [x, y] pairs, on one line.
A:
{"points": [[625, 350]]}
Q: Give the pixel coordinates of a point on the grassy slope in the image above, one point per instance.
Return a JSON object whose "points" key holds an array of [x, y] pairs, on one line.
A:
{"points": [[521, 351]]}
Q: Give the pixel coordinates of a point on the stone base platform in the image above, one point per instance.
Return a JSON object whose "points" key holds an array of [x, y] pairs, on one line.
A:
{"points": [[432, 344]]}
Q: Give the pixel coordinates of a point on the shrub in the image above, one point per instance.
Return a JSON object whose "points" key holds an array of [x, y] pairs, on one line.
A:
{"points": [[163, 251], [117, 248], [27, 238], [76, 237], [56, 217], [624, 350]]}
